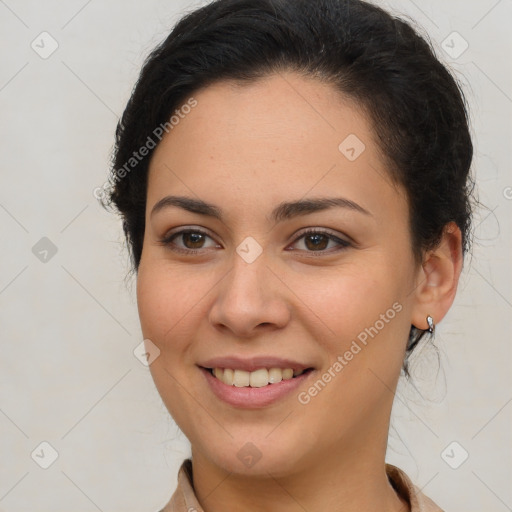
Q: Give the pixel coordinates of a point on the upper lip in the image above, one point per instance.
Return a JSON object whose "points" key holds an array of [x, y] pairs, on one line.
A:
{"points": [[253, 363]]}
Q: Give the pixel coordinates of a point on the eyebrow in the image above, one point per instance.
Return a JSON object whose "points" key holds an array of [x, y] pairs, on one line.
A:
{"points": [[283, 211]]}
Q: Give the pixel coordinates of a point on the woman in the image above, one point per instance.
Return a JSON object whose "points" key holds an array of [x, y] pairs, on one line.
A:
{"points": [[293, 178]]}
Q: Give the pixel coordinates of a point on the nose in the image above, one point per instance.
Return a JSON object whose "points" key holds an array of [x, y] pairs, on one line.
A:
{"points": [[250, 298]]}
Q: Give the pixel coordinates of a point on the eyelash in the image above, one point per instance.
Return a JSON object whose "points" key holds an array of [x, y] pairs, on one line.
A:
{"points": [[167, 241]]}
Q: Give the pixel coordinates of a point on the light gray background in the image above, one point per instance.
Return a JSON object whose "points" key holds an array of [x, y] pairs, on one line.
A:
{"points": [[68, 375]]}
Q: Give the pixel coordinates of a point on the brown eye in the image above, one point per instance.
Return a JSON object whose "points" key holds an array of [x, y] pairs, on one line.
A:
{"points": [[318, 241], [190, 241], [193, 240]]}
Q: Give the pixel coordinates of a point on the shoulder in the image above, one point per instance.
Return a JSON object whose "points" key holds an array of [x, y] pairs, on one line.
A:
{"points": [[183, 498], [411, 493]]}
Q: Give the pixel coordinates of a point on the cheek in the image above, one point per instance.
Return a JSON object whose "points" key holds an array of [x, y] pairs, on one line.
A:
{"points": [[348, 299], [165, 298], [360, 321], [359, 318], [168, 309]]}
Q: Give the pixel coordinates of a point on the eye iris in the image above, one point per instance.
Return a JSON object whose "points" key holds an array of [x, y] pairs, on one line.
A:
{"points": [[320, 242], [196, 238]]}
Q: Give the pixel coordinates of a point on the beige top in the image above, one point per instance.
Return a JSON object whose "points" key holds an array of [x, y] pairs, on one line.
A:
{"points": [[184, 498]]}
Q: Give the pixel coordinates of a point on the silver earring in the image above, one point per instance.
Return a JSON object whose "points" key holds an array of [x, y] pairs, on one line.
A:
{"points": [[431, 326]]}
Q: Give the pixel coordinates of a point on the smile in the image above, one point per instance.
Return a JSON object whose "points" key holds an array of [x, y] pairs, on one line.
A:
{"points": [[256, 379]]}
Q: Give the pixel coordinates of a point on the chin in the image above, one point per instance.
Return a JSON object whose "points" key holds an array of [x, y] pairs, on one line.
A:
{"points": [[257, 457]]}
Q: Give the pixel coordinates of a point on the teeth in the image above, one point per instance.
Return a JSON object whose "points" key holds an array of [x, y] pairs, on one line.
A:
{"points": [[257, 379], [241, 378], [227, 376], [275, 375]]}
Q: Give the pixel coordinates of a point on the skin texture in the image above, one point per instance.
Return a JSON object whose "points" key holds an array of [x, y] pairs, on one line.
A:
{"points": [[247, 148]]}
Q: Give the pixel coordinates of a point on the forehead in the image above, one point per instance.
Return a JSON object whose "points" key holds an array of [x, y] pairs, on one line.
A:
{"points": [[275, 138]]}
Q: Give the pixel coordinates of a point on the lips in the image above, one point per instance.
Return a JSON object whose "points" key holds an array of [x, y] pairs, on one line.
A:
{"points": [[252, 383], [248, 397]]}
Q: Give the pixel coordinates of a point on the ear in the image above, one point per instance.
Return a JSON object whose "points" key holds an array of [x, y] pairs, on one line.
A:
{"points": [[438, 277]]}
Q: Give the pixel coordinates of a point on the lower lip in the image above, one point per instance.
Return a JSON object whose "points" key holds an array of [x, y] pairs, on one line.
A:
{"points": [[253, 398]]}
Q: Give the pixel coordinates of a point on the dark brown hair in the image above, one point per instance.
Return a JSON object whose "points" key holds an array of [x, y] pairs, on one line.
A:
{"points": [[416, 105]]}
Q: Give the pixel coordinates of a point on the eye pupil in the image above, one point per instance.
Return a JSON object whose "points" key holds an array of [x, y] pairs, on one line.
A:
{"points": [[197, 238], [319, 241]]}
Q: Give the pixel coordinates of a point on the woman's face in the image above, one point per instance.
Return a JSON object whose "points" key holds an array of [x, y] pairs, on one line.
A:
{"points": [[249, 285]]}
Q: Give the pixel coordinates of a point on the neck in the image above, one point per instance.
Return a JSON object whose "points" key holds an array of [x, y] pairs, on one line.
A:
{"points": [[349, 479]]}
